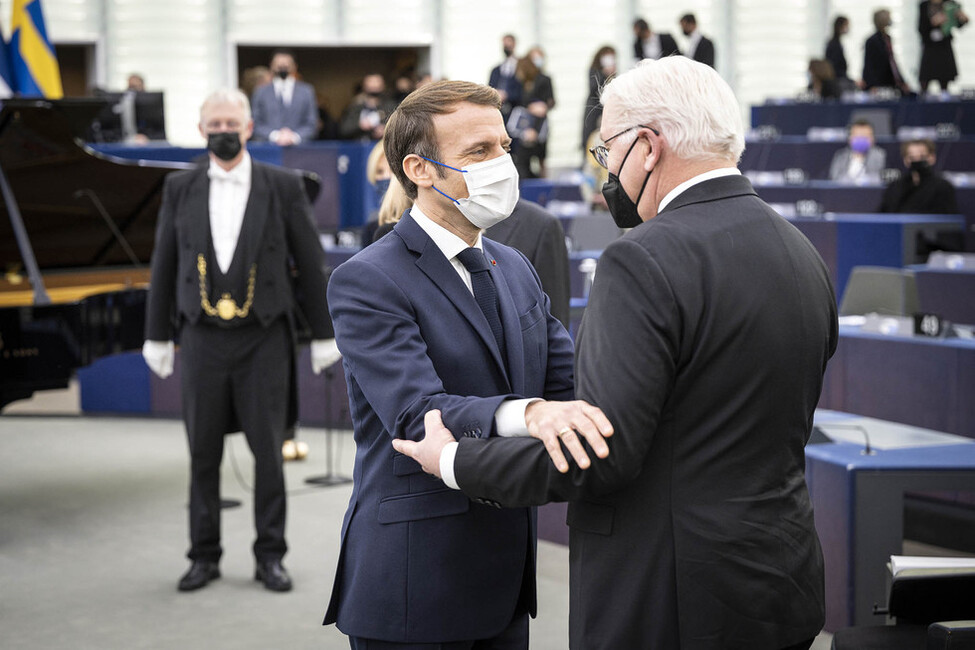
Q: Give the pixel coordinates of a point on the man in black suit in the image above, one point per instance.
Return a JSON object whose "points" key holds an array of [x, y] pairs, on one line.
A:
{"points": [[880, 69], [699, 47], [503, 79], [651, 45], [705, 346], [538, 234], [227, 237], [922, 190]]}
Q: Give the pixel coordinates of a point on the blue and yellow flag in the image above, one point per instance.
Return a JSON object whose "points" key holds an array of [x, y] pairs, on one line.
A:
{"points": [[35, 67], [6, 75]]}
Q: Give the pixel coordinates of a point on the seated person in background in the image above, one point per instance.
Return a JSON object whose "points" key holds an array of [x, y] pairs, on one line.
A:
{"points": [[822, 81], [365, 118], [921, 190], [860, 161], [285, 110]]}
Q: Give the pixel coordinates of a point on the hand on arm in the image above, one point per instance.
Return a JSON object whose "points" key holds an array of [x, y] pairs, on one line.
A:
{"points": [[428, 450], [551, 422], [324, 353]]}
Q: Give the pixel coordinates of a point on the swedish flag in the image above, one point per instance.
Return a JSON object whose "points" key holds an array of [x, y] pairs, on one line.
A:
{"points": [[35, 67]]}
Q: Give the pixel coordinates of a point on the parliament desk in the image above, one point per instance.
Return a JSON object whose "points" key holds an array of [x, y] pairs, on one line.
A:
{"points": [[839, 198], [815, 157], [920, 381], [948, 293], [848, 240], [858, 501], [795, 118]]}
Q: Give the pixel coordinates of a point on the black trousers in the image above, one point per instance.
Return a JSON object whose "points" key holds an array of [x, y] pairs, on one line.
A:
{"points": [[515, 637], [232, 379]]}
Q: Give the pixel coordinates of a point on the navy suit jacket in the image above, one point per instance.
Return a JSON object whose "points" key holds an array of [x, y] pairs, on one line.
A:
{"points": [[421, 562], [301, 115]]}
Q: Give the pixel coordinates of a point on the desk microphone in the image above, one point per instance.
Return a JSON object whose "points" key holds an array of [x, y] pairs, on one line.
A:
{"points": [[867, 449]]}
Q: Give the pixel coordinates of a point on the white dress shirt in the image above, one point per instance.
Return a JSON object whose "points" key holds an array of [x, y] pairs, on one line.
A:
{"points": [[229, 191], [652, 49], [689, 183], [692, 42], [284, 89], [509, 419]]}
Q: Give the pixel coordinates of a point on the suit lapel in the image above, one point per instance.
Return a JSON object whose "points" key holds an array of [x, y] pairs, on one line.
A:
{"points": [[198, 204], [255, 215], [510, 323], [434, 265]]}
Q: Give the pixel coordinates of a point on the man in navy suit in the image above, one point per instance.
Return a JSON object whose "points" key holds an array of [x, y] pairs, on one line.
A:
{"points": [[285, 110], [433, 316]]}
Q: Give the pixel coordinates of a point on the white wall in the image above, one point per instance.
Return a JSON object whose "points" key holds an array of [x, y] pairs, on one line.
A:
{"points": [[187, 47]]}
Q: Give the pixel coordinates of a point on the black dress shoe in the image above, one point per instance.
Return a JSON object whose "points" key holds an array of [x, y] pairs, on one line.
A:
{"points": [[199, 575], [273, 575]]}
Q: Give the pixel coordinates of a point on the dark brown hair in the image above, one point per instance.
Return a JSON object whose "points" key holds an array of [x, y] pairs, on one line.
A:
{"points": [[410, 128]]}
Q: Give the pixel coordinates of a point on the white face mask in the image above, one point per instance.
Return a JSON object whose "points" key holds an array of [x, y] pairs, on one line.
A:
{"points": [[492, 188]]}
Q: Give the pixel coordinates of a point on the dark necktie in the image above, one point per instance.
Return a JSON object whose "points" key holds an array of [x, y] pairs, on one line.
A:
{"points": [[485, 292], [898, 80]]}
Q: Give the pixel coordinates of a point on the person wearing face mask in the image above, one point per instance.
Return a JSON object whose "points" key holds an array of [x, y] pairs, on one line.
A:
{"points": [[699, 47], [227, 236], [436, 316], [601, 70], [860, 161], [285, 110], [365, 117], [704, 342], [503, 79], [922, 190]]}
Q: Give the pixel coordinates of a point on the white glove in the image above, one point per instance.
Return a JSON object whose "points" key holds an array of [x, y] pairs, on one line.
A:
{"points": [[159, 356], [324, 353]]}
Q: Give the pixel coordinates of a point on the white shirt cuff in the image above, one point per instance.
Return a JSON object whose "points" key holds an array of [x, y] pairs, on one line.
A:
{"points": [[509, 419], [273, 135], [447, 465]]}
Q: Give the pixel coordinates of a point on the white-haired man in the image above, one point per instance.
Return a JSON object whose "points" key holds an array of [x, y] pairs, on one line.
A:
{"points": [[221, 281], [705, 340]]}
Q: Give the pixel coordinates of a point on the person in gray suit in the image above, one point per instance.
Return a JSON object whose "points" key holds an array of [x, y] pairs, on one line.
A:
{"points": [[861, 161], [285, 110], [705, 340]]}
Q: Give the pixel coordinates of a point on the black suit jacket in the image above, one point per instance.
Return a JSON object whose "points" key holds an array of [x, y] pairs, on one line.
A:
{"points": [[538, 234], [277, 231], [705, 51], [934, 195], [705, 341], [668, 46], [877, 72]]}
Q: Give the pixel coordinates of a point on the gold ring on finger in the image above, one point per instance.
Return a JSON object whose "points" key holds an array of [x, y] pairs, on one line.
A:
{"points": [[566, 431]]}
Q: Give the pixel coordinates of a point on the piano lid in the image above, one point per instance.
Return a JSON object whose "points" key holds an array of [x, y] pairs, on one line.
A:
{"points": [[58, 182]]}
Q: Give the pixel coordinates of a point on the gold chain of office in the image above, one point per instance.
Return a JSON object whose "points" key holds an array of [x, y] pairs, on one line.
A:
{"points": [[226, 308]]}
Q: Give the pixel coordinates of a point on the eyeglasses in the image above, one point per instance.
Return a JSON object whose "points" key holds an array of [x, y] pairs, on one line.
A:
{"points": [[601, 154]]}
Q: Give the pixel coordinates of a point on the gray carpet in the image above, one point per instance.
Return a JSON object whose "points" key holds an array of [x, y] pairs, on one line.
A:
{"points": [[93, 536]]}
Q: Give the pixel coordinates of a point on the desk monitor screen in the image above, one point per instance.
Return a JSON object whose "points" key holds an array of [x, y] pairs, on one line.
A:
{"points": [[128, 114]]}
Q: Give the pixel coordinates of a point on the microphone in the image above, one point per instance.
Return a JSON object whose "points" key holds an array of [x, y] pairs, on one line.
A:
{"points": [[867, 449]]}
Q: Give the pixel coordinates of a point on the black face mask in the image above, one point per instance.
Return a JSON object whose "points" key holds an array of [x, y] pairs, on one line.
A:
{"points": [[282, 73], [508, 51], [621, 207], [921, 167], [224, 145]]}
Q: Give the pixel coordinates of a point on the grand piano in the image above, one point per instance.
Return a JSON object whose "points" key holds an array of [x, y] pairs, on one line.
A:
{"points": [[76, 235]]}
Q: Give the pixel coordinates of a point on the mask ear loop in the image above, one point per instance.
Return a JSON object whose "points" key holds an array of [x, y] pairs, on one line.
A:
{"points": [[645, 180], [462, 171]]}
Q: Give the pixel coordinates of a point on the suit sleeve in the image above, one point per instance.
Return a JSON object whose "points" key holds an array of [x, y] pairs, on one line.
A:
{"points": [[837, 168], [626, 366], [305, 248], [707, 55], [309, 115], [161, 304], [386, 357]]}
